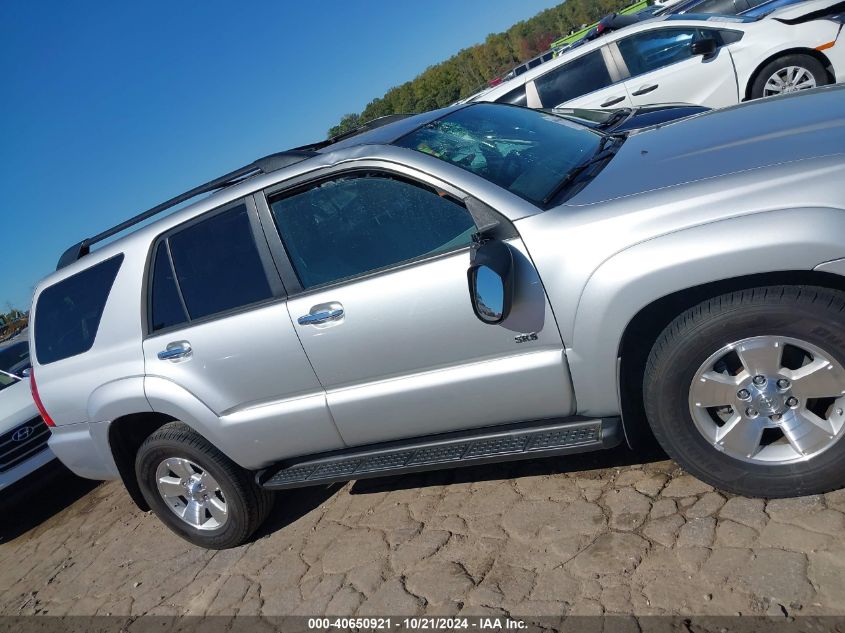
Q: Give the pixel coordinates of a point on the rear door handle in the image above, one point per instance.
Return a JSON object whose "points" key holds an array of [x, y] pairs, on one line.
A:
{"points": [[612, 101], [320, 317], [644, 90], [175, 351]]}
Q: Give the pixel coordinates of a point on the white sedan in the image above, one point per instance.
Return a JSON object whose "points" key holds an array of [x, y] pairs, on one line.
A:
{"points": [[709, 60], [23, 434]]}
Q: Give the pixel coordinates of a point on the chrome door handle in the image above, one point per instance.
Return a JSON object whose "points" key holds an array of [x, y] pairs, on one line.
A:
{"points": [[175, 350], [612, 101], [645, 90], [320, 317]]}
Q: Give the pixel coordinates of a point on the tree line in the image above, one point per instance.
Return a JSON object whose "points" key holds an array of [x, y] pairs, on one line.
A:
{"points": [[470, 69]]}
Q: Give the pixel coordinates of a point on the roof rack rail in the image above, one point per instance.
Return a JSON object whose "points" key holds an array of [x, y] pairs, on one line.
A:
{"points": [[366, 127], [264, 165]]}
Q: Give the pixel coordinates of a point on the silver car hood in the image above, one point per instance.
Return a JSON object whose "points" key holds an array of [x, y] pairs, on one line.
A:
{"points": [[744, 137]]}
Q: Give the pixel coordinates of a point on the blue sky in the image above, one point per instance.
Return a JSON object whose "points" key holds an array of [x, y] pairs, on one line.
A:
{"points": [[108, 108]]}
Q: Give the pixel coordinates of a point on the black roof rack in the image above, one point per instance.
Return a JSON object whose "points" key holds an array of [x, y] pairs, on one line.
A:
{"points": [[264, 165], [366, 127]]}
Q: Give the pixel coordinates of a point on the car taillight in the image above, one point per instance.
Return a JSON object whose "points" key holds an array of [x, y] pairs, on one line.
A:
{"points": [[38, 404]]}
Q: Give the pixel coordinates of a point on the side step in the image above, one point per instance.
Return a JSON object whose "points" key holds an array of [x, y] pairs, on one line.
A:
{"points": [[448, 450]]}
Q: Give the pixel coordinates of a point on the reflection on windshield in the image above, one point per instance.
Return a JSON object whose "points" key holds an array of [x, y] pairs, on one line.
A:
{"points": [[524, 151], [6, 380], [13, 356]]}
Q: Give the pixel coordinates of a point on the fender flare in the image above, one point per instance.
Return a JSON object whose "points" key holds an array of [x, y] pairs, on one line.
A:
{"points": [[167, 397], [765, 242], [117, 398]]}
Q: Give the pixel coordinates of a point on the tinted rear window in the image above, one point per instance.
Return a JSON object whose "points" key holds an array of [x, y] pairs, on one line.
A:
{"points": [[68, 313], [217, 265]]}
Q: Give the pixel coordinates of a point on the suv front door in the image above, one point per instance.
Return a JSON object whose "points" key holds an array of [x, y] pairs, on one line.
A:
{"points": [[383, 312], [663, 69]]}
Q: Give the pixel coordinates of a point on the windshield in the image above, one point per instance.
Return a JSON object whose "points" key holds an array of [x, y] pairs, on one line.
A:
{"points": [[522, 150], [766, 8]]}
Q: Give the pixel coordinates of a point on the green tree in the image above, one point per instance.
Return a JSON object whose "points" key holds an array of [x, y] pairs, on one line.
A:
{"points": [[347, 123], [467, 71]]}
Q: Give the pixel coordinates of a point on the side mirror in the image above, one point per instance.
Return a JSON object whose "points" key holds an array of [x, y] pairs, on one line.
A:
{"points": [[705, 47], [490, 277]]}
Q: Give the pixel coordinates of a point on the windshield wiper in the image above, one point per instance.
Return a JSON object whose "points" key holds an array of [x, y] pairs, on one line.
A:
{"points": [[616, 117], [608, 146]]}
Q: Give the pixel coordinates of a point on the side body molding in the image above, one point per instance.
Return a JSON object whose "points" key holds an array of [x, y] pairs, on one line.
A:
{"points": [[771, 241], [252, 437]]}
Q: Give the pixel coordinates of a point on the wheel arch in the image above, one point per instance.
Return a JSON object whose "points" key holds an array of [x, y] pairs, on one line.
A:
{"points": [[821, 57], [126, 434], [784, 240], [648, 323]]}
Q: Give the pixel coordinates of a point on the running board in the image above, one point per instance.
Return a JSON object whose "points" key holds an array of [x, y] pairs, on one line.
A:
{"points": [[448, 450]]}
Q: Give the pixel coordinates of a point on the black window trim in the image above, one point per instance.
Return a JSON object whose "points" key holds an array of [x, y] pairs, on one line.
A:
{"points": [[277, 288], [34, 352], [295, 186]]}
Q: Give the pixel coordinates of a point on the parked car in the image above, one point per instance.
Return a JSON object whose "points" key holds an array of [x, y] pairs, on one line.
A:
{"points": [[526, 66], [713, 61], [720, 7], [23, 434], [765, 8], [479, 283]]}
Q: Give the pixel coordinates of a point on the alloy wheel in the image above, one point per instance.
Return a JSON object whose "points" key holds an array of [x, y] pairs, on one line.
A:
{"points": [[769, 400], [789, 79], [192, 493]]}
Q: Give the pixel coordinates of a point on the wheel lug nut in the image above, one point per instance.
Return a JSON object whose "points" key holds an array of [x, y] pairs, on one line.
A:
{"points": [[791, 401], [777, 417], [759, 380], [751, 413], [783, 383], [743, 394]]}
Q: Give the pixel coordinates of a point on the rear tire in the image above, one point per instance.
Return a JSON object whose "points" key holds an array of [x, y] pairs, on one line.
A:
{"points": [[198, 492], [790, 73], [700, 359]]}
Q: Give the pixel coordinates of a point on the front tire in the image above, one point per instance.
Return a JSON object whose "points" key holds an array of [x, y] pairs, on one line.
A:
{"points": [[198, 492], [745, 391], [790, 73]]}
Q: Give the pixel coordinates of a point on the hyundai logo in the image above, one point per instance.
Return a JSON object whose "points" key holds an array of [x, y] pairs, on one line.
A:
{"points": [[22, 434]]}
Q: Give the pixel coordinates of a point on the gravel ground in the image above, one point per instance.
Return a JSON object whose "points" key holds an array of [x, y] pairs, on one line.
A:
{"points": [[590, 534]]}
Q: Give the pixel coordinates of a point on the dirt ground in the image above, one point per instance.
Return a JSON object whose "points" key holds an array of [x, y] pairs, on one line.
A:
{"points": [[589, 534]]}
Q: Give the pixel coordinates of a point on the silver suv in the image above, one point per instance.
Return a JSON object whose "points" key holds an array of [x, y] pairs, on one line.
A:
{"points": [[475, 284]]}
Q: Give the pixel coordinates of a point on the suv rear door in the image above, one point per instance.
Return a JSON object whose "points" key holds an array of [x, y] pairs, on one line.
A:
{"points": [[377, 274], [218, 328], [591, 80]]}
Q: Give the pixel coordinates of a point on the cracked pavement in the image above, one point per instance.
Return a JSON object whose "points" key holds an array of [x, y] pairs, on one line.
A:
{"points": [[583, 535]]}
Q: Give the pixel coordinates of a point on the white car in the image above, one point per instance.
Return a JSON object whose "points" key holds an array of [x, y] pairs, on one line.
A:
{"points": [[709, 60], [23, 434]]}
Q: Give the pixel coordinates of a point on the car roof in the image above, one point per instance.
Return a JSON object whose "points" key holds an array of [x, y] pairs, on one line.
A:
{"points": [[325, 154]]}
